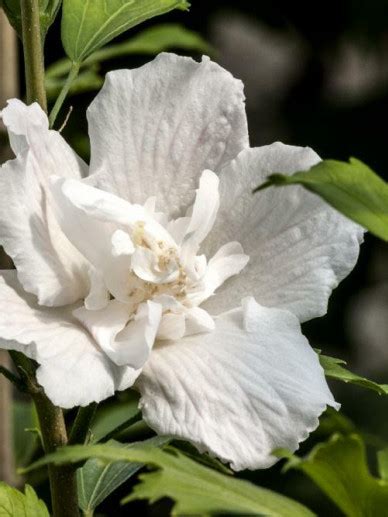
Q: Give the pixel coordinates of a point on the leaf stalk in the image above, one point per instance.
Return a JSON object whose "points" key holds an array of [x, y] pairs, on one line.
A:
{"points": [[73, 73]]}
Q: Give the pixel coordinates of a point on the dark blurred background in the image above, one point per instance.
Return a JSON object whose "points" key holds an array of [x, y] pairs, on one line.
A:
{"points": [[316, 74]]}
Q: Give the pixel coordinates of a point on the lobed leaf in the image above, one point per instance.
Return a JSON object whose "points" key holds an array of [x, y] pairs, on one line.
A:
{"points": [[16, 504], [352, 188], [87, 25], [196, 489], [339, 467]]}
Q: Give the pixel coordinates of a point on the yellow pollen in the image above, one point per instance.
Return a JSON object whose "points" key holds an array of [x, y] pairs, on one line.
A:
{"points": [[138, 234]]}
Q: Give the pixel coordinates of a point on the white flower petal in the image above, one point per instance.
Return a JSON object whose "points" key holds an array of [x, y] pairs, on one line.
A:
{"points": [[177, 228], [172, 326], [138, 337], [198, 320], [150, 207], [47, 263], [229, 260], [94, 208], [122, 244], [24, 123], [205, 208], [105, 324], [126, 344], [145, 265], [29, 130], [73, 370], [98, 296], [172, 117], [101, 205], [299, 247], [91, 236], [168, 303], [252, 385], [94, 233]]}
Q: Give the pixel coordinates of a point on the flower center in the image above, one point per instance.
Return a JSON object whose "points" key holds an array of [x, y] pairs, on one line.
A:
{"points": [[156, 270], [152, 279]]}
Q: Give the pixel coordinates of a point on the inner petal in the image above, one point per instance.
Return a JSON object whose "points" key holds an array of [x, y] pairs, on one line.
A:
{"points": [[148, 279], [126, 339], [204, 214]]}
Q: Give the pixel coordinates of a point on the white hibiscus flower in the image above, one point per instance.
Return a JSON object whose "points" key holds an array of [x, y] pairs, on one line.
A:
{"points": [[131, 276]]}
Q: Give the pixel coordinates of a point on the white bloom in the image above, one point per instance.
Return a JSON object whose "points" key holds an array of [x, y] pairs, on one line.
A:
{"points": [[134, 275]]}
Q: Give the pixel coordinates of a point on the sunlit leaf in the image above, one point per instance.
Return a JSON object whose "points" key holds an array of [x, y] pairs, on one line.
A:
{"points": [[352, 188], [339, 467], [159, 38], [16, 504], [334, 369], [48, 10], [98, 479], [196, 489], [87, 25]]}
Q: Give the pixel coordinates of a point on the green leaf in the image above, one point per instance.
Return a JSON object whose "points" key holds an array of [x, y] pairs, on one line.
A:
{"points": [[159, 38], [12, 10], [334, 369], [151, 41], [195, 488], [198, 490], [352, 188], [24, 418], [87, 25], [98, 479], [48, 11], [339, 467], [16, 504], [205, 459], [113, 417], [154, 40]]}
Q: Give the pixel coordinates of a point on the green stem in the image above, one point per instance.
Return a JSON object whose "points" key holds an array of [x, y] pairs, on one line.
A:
{"points": [[81, 426], [63, 480], [63, 93], [33, 52]]}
